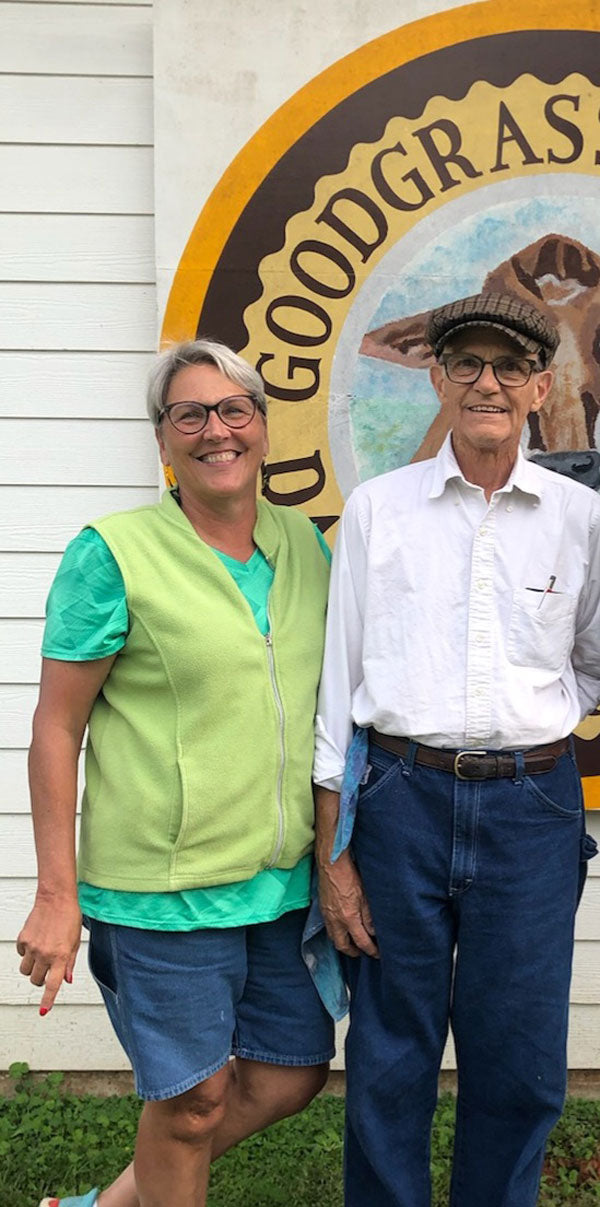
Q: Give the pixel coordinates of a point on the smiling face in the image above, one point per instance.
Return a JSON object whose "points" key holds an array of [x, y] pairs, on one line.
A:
{"points": [[486, 417], [218, 463]]}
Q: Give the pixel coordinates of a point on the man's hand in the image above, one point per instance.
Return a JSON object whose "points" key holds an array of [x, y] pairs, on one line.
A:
{"points": [[345, 908], [48, 944], [342, 899]]}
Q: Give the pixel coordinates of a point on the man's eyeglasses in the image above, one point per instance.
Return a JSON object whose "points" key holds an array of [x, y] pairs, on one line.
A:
{"points": [[192, 417], [465, 368]]}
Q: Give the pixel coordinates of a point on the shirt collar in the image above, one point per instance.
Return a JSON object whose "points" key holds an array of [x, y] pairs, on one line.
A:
{"points": [[523, 476]]}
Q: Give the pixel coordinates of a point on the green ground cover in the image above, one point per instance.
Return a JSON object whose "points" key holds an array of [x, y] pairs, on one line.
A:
{"points": [[52, 1142]]}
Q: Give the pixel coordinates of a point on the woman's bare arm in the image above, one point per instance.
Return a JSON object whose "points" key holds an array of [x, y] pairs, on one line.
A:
{"points": [[49, 940]]}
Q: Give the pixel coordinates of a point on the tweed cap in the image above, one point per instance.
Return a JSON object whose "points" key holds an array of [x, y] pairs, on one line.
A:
{"points": [[524, 323]]}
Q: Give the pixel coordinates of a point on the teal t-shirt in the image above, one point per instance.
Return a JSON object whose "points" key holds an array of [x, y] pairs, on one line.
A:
{"points": [[87, 618]]}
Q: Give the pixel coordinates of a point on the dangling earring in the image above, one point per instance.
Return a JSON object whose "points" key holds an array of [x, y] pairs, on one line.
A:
{"points": [[265, 474], [169, 476]]}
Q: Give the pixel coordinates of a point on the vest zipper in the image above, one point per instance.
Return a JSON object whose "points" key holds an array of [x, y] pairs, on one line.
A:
{"points": [[279, 843]]}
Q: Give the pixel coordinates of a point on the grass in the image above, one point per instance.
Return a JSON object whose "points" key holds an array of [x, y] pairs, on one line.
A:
{"points": [[52, 1142]]}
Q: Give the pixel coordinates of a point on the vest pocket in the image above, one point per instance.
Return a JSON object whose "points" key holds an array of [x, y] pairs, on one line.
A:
{"points": [[540, 629], [176, 810]]}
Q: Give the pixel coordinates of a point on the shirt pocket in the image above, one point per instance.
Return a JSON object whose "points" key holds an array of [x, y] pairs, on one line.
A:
{"points": [[540, 632]]}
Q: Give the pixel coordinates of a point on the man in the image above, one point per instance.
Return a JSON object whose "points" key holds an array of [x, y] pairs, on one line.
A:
{"points": [[464, 636]]}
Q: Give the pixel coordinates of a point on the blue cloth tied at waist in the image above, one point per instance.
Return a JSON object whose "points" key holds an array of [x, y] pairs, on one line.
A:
{"points": [[318, 952]]}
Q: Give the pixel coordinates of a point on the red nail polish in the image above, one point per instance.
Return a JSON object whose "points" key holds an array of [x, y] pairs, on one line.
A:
{"points": [[69, 978], [44, 1010]]}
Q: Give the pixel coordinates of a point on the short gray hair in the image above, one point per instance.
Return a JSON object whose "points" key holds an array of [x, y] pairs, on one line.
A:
{"points": [[200, 352]]}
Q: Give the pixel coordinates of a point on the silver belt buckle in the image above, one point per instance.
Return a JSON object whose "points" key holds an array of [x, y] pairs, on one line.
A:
{"points": [[456, 768]]}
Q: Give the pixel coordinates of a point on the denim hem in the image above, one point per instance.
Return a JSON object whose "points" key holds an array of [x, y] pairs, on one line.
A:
{"points": [[288, 1061], [180, 1088]]}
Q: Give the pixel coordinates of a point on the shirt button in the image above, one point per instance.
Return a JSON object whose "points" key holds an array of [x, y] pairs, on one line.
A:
{"points": [[482, 531], [510, 507], [480, 638], [479, 691], [482, 584]]}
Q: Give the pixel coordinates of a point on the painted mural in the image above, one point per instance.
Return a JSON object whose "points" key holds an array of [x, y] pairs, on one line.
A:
{"points": [[460, 152]]}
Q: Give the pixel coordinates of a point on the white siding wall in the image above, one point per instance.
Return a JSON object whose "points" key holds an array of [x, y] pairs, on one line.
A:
{"points": [[77, 327]]}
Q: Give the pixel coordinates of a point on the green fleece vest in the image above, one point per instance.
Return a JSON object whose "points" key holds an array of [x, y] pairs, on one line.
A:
{"points": [[199, 756]]}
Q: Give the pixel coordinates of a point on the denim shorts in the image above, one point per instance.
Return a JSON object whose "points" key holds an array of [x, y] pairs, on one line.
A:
{"points": [[182, 1003]]}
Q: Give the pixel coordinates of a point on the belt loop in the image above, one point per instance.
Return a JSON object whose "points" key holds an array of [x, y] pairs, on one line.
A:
{"points": [[411, 755], [519, 767]]}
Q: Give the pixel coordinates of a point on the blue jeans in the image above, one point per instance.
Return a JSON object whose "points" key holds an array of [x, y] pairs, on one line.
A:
{"points": [[473, 886]]}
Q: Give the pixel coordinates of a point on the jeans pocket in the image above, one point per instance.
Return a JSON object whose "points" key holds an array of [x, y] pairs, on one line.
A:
{"points": [[100, 957], [558, 791], [383, 767]]}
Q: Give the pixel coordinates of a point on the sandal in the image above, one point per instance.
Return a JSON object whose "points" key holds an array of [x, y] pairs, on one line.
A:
{"points": [[80, 1200]]}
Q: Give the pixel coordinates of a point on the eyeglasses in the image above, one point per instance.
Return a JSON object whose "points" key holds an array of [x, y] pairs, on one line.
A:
{"points": [[192, 417], [465, 368]]}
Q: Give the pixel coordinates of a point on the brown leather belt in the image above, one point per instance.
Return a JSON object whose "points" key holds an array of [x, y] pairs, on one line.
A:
{"points": [[475, 764]]}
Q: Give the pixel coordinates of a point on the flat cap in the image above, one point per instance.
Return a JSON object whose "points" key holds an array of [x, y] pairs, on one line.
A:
{"points": [[524, 323]]}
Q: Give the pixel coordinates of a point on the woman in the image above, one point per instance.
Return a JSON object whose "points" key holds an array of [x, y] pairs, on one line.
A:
{"points": [[188, 636]]}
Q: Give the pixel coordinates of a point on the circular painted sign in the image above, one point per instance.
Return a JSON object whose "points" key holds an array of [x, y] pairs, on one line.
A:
{"points": [[456, 153]]}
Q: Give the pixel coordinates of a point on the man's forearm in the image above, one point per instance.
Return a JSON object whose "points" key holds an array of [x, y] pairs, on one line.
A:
{"points": [[327, 808]]}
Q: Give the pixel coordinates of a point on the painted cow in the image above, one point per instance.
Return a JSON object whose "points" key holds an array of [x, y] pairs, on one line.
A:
{"points": [[561, 277]]}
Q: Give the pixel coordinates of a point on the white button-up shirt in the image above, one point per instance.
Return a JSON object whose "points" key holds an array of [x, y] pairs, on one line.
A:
{"points": [[458, 622]]}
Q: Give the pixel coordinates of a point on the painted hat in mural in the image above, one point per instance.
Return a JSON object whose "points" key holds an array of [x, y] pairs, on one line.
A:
{"points": [[524, 323]]}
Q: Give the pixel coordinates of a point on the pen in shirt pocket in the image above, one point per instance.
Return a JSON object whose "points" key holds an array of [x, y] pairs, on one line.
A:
{"points": [[547, 590]]}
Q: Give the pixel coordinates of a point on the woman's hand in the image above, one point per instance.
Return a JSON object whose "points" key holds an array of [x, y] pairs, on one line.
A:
{"points": [[48, 944]]}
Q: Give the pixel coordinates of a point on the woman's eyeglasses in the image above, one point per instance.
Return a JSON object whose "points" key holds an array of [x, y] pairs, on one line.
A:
{"points": [[192, 417]]}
